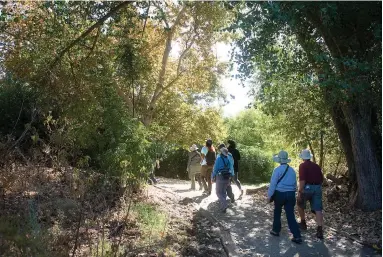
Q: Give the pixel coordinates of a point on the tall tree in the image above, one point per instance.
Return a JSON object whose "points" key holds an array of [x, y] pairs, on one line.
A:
{"points": [[341, 45]]}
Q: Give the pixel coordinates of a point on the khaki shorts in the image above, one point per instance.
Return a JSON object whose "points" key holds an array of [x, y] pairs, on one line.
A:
{"points": [[194, 170], [206, 171]]}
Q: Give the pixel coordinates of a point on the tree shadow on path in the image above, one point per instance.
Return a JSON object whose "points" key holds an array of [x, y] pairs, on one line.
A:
{"points": [[249, 223]]}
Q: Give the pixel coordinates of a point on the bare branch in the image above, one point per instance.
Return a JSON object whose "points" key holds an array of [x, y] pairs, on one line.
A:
{"points": [[146, 18], [94, 43], [87, 32]]}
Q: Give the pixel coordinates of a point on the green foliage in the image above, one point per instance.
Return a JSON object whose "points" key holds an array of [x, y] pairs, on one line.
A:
{"points": [[152, 221], [255, 166], [174, 164], [17, 101], [108, 98], [20, 238]]}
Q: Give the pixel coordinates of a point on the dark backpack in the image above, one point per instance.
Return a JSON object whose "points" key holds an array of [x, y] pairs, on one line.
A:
{"points": [[225, 171], [210, 158]]}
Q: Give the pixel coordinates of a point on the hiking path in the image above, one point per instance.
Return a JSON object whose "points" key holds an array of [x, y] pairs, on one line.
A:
{"points": [[247, 222]]}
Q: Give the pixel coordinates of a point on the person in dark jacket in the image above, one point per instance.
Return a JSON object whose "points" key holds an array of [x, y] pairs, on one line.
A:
{"points": [[208, 157], [236, 156]]}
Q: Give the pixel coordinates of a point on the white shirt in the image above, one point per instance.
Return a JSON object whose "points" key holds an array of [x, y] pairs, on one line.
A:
{"points": [[204, 151]]}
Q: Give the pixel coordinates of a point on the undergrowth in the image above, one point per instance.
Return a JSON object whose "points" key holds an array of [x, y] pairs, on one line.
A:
{"points": [[151, 221]]}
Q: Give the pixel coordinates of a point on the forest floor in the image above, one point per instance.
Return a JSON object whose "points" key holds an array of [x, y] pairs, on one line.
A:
{"points": [[52, 212]]}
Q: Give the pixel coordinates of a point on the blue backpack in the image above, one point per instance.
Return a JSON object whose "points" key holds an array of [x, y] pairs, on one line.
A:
{"points": [[225, 171]]}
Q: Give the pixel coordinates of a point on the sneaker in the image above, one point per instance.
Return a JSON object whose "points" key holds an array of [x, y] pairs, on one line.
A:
{"points": [[274, 233], [200, 189], [232, 199], [296, 240], [302, 225], [319, 233], [241, 193]]}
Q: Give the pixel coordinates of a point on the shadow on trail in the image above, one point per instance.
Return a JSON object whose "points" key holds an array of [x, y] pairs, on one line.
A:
{"points": [[249, 223], [199, 199]]}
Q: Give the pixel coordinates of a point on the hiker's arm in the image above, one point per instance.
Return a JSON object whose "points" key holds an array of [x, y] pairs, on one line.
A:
{"points": [[302, 180], [203, 153], [214, 172], [231, 166], [189, 160], [273, 184]]}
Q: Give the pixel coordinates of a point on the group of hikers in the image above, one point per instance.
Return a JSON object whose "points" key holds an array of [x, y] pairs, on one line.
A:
{"points": [[207, 167]]}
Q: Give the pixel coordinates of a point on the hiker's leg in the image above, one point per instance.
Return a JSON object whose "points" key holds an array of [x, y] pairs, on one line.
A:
{"points": [[301, 212], [220, 188], [237, 182], [289, 209], [203, 177], [192, 182], [229, 191], [208, 174], [319, 218], [278, 203], [198, 178], [152, 178], [301, 207], [193, 169], [316, 204]]}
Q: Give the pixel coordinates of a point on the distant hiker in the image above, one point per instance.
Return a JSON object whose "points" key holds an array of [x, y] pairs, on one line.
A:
{"points": [[229, 189], [208, 157], [222, 172], [155, 166], [283, 185], [194, 167], [310, 189], [235, 153]]}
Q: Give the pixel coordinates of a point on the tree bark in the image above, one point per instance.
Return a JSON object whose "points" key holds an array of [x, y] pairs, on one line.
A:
{"points": [[345, 140], [368, 175], [147, 119], [321, 150], [87, 32]]}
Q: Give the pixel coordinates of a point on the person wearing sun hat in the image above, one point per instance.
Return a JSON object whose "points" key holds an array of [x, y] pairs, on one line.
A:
{"points": [[229, 189], [223, 171], [282, 189], [194, 167], [310, 189]]}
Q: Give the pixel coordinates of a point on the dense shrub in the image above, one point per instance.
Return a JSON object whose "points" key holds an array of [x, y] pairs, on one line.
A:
{"points": [[173, 164], [17, 101], [254, 166], [104, 136]]}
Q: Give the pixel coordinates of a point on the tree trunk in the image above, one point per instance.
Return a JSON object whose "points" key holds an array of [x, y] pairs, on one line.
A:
{"points": [[337, 165], [367, 167], [321, 150], [345, 140]]}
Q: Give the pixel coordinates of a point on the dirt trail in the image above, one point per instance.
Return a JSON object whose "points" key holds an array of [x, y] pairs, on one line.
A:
{"points": [[248, 222], [189, 233]]}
